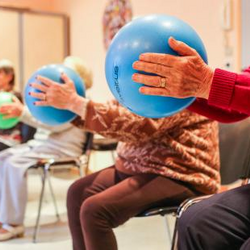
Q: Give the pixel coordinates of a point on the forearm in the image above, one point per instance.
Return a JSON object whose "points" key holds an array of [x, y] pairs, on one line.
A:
{"points": [[201, 106], [114, 121]]}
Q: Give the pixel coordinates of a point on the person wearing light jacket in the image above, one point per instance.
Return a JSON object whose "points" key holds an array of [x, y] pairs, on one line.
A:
{"points": [[49, 142], [12, 136]]}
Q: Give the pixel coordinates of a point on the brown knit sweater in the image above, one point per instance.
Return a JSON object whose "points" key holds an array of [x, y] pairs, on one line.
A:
{"points": [[182, 147]]}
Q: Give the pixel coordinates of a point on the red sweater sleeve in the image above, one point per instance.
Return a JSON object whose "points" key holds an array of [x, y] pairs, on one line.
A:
{"points": [[201, 106], [229, 98], [231, 91]]}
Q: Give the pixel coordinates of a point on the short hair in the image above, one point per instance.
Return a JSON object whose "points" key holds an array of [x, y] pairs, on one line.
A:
{"points": [[7, 67], [79, 66]]}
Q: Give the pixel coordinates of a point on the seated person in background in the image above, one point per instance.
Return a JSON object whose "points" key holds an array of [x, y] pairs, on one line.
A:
{"points": [[9, 137], [49, 142], [160, 162]]}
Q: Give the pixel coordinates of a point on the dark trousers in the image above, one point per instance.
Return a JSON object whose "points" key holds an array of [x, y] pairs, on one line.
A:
{"points": [[106, 199], [221, 222]]}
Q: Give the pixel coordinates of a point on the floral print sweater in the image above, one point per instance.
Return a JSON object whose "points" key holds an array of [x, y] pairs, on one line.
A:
{"points": [[182, 147]]}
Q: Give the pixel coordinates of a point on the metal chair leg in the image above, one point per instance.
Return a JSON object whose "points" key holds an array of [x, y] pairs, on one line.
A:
{"points": [[175, 236], [168, 228], [113, 155], [80, 166], [40, 206], [53, 196]]}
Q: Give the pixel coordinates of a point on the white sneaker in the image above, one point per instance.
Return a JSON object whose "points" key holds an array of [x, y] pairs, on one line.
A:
{"points": [[12, 232]]}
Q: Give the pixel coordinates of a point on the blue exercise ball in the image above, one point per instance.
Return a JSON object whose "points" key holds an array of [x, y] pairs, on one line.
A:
{"points": [[49, 115], [147, 34]]}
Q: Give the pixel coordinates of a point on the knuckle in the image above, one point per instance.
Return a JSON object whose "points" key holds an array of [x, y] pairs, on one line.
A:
{"points": [[158, 68]]}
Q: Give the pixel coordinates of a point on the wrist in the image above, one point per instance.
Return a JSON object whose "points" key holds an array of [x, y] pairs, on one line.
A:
{"points": [[206, 84], [78, 105]]}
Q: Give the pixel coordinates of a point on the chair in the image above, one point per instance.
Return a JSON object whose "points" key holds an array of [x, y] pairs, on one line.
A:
{"points": [[235, 164], [46, 165], [104, 144], [27, 132]]}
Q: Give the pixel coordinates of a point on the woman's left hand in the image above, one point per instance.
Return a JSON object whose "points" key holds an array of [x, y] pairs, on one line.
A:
{"points": [[176, 76], [12, 110]]}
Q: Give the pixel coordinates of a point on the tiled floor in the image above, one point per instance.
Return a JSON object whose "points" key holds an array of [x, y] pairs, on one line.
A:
{"points": [[137, 234]]}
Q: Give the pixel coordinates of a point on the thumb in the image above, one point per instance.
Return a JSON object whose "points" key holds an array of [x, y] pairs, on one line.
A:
{"points": [[181, 48], [16, 100], [67, 80]]}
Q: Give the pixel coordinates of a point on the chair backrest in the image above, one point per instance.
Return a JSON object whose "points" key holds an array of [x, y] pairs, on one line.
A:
{"points": [[234, 150], [27, 132], [88, 142]]}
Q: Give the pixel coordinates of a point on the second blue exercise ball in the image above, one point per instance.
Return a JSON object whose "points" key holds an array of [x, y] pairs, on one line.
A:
{"points": [[147, 34], [49, 115]]}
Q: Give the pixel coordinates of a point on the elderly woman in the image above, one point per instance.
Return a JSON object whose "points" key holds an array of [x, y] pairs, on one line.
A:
{"points": [[49, 142], [13, 136], [160, 162], [224, 217]]}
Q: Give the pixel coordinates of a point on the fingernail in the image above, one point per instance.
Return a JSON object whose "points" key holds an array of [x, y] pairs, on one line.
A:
{"points": [[135, 64], [142, 57], [134, 76], [172, 39], [141, 90]]}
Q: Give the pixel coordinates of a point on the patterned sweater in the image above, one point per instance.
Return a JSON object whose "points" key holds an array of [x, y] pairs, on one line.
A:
{"points": [[183, 147]]}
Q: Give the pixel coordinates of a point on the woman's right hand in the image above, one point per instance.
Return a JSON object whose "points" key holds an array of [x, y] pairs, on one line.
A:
{"points": [[54, 94]]}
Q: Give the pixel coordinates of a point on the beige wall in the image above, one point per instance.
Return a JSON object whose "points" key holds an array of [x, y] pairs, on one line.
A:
{"points": [[86, 39], [45, 5], [203, 15], [86, 29]]}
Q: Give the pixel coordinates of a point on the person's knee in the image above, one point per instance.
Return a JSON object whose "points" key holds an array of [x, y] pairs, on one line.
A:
{"points": [[192, 227], [94, 211], [193, 218], [91, 209], [74, 196]]}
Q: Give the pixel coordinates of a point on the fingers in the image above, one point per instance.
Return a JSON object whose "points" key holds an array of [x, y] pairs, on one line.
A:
{"points": [[151, 68], [164, 59], [9, 116], [15, 100], [154, 91], [7, 111], [66, 79], [181, 48], [40, 96], [5, 108], [46, 81], [39, 86], [41, 103], [154, 81]]}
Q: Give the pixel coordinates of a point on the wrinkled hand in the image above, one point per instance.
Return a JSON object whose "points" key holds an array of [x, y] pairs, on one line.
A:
{"points": [[61, 96], [12, 110], [177, 76]]}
